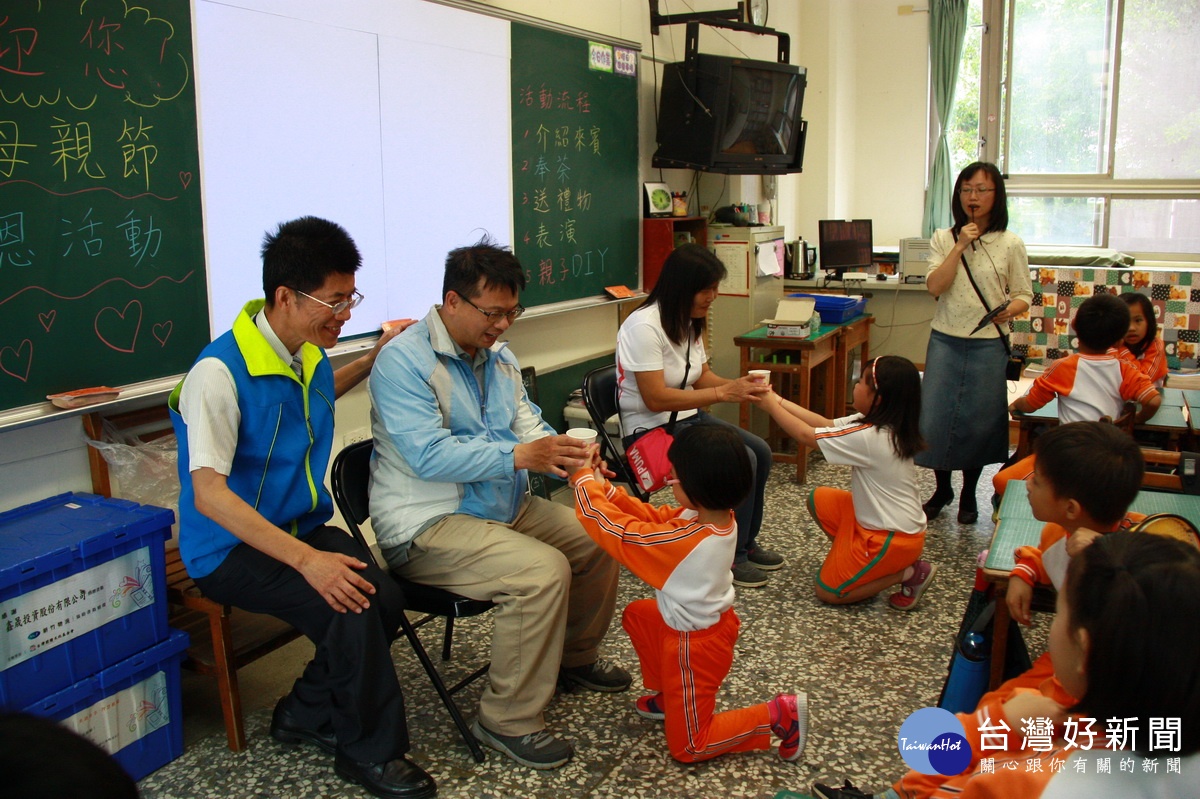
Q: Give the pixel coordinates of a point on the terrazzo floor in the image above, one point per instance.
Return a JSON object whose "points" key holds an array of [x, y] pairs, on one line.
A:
{"points": [[865, 667]]}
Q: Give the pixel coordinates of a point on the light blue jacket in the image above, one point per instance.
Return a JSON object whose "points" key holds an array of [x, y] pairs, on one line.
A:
{"points": [[443, 446]]}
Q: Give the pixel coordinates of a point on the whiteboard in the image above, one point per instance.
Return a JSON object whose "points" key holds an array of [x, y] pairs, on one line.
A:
{"points": [[355, 113]]}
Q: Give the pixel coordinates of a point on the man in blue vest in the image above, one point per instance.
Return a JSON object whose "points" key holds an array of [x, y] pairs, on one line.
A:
{"points": [[455, 437], [254, 420]]}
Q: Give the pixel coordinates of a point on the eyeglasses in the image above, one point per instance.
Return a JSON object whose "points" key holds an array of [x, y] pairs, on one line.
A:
{"points": [[494, 317], [338, 307], [969, 190]]}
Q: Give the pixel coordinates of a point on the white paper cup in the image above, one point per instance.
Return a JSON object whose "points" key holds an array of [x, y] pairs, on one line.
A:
{"points": [[585, 434], [760, 375]]}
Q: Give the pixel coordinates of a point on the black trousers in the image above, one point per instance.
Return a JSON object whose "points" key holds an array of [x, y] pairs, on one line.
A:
{"points": [[351, 681]]}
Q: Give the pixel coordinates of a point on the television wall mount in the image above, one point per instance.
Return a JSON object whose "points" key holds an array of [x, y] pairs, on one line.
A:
{"points": [[728, 19]]}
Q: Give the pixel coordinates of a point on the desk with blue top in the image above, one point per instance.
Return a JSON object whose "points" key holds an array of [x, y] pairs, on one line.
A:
{"points": [[1017, 528], [1173, 417]]}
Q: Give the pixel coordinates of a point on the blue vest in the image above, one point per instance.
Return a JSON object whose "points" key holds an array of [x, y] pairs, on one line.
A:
{"points": [[284, 440]]}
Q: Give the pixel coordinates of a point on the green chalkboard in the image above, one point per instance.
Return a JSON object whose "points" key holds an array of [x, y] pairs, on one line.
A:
{"points": [[102, 278], [576, 204]]}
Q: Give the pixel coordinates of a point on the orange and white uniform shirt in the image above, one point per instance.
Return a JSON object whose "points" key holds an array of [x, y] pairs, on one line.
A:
{"points": [[1089, 387], [685, 636]]}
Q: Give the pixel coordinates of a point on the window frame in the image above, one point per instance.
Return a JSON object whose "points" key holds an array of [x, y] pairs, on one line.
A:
{"points": [[996, 53]]}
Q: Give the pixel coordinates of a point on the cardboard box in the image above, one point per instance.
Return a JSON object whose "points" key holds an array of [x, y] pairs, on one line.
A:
{"points": [[82, 586], [133, 710], [793, 318]]}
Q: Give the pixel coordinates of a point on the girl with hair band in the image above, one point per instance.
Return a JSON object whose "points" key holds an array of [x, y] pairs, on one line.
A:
{"points": [[1141, 345], [975, 266], [877, 527]]}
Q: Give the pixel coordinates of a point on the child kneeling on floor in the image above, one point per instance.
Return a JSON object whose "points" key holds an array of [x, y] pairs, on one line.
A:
{"points": [[685, 636], [878, 526]]}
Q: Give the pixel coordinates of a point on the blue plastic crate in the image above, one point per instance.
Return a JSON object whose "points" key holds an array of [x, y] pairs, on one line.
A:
{"points": [[82, 587], [133, 710], [836, 308]]}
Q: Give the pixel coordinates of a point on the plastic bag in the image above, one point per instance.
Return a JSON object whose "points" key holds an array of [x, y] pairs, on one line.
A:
{"points": [[142, 471]]}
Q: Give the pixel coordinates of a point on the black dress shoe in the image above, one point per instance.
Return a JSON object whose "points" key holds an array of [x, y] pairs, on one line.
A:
{"points": [[285, 729], [933, 508], [967, 515], [396, 779]]}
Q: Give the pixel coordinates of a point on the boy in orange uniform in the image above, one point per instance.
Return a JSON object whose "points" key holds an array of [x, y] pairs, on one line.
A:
{"points": [[1090, 384], [685, 636]]}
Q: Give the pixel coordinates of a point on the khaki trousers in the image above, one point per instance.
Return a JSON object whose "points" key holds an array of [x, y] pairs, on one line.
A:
{"points": [[555, 592]]}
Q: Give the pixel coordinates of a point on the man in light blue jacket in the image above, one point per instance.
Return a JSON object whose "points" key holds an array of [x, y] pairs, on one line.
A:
{"points": [[455, 435]]}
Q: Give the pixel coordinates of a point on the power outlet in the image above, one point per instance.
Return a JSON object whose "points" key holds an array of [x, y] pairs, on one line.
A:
{"points": [[355, 436]]}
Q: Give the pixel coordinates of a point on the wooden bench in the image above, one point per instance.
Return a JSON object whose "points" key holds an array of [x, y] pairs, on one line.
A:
{"points": [[223, 638]]}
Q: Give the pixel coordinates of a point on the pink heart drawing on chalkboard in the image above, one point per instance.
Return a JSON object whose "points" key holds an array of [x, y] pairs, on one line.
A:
{"points": [[47, 319], [18, 365], [120, 326], [162, 332], [185, 178]]}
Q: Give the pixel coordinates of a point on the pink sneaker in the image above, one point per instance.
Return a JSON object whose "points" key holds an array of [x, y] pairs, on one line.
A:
{"points": [[650, 707], [911, 589], [790, 712]]}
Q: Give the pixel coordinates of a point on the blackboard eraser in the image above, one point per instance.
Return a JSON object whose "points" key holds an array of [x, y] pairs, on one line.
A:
{"points": [[386, 327], [83, 396], [618, 292]]}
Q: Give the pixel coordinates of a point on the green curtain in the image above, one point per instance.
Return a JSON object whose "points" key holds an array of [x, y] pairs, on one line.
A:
{"points": [[947, 27]]}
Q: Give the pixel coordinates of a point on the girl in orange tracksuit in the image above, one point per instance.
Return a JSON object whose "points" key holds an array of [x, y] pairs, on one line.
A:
{"points": [[1141, 346], [685, 636]]}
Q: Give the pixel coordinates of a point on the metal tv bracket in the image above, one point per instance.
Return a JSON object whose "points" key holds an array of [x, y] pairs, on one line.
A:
{"points": [[717, 19]]}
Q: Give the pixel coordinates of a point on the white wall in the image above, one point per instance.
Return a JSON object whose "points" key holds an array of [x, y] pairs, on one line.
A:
{"points": [[866, 107]]}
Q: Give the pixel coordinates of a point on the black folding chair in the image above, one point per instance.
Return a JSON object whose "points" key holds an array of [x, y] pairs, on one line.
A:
{"points": [[350, 480], [600, 395]]}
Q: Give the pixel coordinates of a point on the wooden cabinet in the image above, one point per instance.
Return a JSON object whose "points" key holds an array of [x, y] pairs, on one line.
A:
{"points": [[659, 239]]}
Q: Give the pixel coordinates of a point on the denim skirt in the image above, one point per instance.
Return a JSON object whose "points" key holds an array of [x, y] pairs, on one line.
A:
{"points": [[964, 403]]}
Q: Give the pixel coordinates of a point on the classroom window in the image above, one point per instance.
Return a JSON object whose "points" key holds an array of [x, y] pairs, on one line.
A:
{"points": [[1092, 110]]}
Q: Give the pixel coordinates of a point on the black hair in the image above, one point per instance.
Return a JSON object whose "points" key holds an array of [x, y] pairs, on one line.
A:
{"points": [[1138, 595], [1094, 463], [41, 759], [897, 406], [1101, 321], [1132, 298], [301, 255], [998, 219], [712, 465], [486, 260], [688, 270]]}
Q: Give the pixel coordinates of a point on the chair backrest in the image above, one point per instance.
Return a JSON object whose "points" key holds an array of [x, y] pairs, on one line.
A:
{"points": [[600, 394], [350, 479]]}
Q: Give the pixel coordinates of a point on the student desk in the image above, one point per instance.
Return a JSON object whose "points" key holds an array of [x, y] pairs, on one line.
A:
{"points": [[1173, 418], [811, 372], [1018, 528]]}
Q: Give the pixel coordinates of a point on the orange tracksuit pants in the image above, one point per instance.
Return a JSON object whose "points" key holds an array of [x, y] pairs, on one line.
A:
{"points": [[688, 669]]}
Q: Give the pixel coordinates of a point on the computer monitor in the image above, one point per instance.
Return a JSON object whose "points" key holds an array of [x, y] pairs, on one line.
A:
{"points": [[844, 245]]}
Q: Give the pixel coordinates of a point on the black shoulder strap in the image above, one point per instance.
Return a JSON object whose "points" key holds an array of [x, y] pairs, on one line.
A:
{"points": [[686, 368], [1003, 333]]}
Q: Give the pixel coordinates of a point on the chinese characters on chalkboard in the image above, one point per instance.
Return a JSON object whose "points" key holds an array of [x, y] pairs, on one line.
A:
{"points": [[101, 244], [574, 167]]}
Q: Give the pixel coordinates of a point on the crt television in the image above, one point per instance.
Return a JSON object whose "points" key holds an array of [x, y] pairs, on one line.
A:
{"points": [[845, 245], [731, 115]]}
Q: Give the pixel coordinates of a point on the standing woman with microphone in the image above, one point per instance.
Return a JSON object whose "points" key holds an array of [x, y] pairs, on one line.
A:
{"points": [[976, 266]]}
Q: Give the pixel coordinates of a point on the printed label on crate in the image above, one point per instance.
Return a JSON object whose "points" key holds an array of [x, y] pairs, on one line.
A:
{"points": [[122, 718], [54, 614]]}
